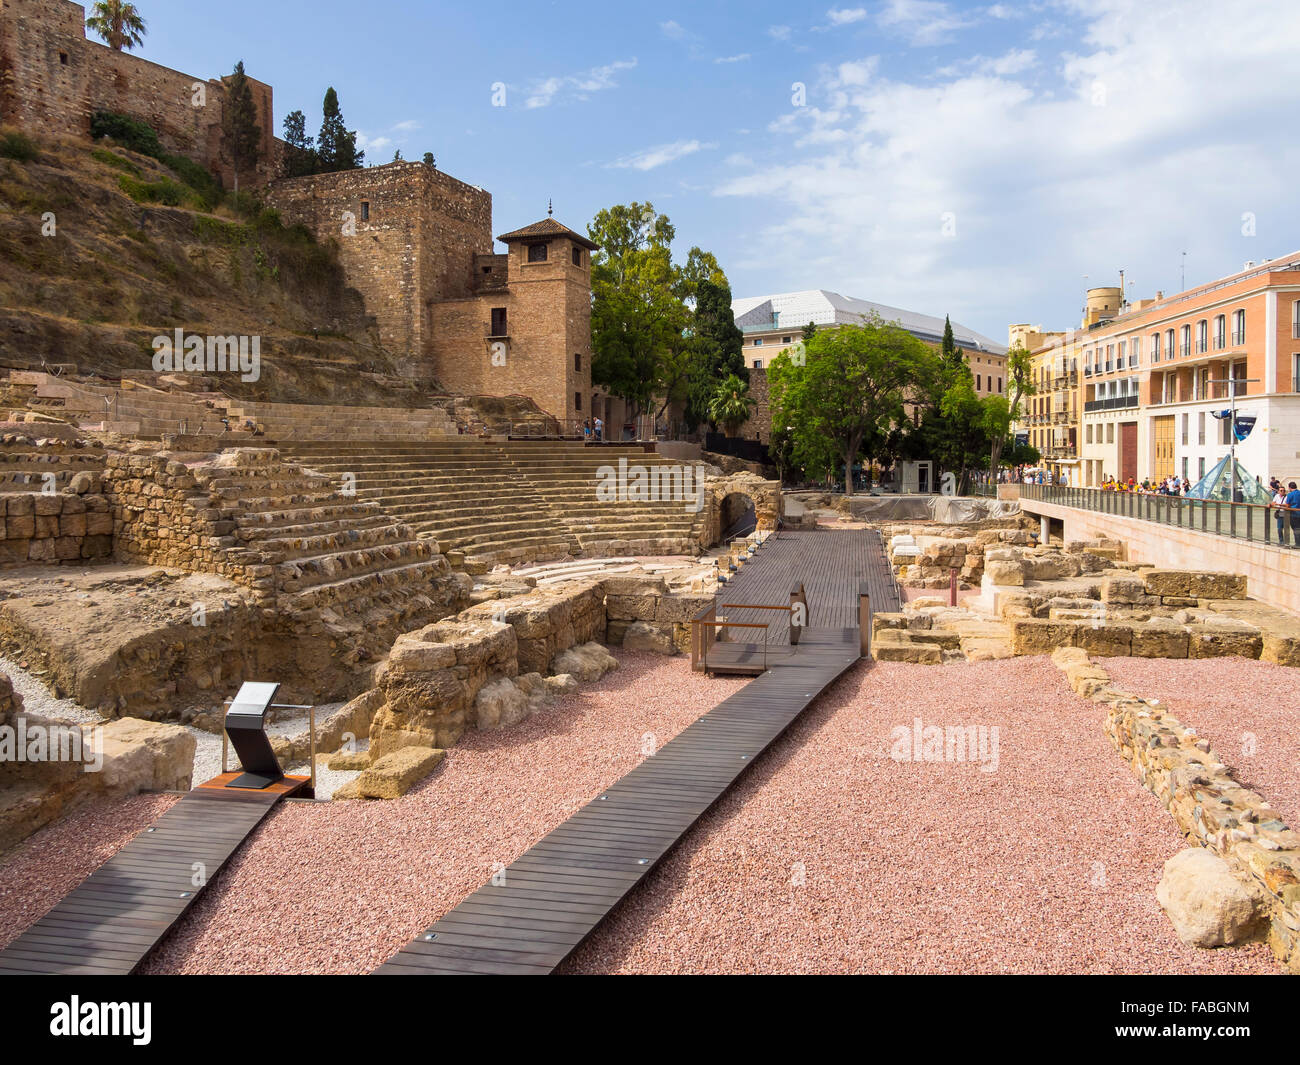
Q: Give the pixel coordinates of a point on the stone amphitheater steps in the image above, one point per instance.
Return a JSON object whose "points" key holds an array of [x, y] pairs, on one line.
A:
{"points": [[462, 493]]}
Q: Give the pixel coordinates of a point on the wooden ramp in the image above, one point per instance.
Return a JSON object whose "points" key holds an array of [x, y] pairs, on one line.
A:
{"points": [[544, 904], [117, 914]]}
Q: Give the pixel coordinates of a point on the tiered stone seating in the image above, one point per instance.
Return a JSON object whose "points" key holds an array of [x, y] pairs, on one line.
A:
{"points": [[131, 410], [50, 468], [489, 503], [295, 422], [465, 494], [566, 476], [324, 557]]}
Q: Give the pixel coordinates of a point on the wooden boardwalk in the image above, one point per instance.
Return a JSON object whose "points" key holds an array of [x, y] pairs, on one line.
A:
{"points": [[538, 910], [116, 915]]}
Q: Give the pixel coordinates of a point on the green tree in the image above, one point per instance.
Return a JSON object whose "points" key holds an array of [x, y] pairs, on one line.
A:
{"points": [[731, 404], [429, 160], [848, 395], [118, 23], [241, 137], [715, 349], [336, 146], [638, 319], [810, 330], [1020, 383], [299, 155]]}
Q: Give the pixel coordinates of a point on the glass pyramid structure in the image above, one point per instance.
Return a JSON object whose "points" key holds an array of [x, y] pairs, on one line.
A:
{"points": [[1217, 484]]}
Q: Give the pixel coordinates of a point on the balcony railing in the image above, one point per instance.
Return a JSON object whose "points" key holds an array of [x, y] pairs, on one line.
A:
{"points": [[1200, 347], [1245, 521], [1114, 403], [1184, 348], [1238, 337]]}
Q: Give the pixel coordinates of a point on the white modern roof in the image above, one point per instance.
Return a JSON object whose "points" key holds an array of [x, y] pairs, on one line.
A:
{"points": [[794, 310]]}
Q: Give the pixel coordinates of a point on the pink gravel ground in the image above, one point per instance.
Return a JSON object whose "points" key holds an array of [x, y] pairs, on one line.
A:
{"points": [[53, 861], [1246, 709], [1048, 864]]}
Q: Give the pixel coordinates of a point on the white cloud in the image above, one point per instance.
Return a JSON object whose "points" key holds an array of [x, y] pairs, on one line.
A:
{"points": [[843, 16], [650, 158], [1129, 152], [733, 58], [922, 22], [779, 33], [673, 30], [544, 92], [408, 126], [372, 144]]}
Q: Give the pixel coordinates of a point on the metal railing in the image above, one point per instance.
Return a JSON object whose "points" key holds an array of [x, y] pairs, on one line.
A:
{"points": [[1255, 522], [1114, 403]]}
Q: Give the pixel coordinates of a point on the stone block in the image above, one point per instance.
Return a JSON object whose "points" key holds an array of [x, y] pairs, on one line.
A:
{"points": [[1207, 905], [1167, 582], [393, 775], [1032, 636], [1217, 585], [1159, 638], [1107, 640]]}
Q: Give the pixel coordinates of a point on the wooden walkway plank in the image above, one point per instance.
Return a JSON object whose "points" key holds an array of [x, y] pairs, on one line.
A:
{"points": [[113, 918], [555, 894]]}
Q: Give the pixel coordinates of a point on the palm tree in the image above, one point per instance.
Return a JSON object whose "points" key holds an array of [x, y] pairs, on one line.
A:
{"points": [[731, 404], [118, 23]]}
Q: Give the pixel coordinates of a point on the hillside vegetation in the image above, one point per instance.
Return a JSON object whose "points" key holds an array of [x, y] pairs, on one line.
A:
{"points": [[103, 248]]}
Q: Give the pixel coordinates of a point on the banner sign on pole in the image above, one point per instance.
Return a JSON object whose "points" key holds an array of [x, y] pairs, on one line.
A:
{"points": [[1243, 425]]}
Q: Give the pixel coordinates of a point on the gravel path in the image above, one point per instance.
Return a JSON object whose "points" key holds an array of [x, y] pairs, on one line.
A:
{"points": [[830, 855], [341, 887], [1048, 864], [1245, 708], [38, 700]]}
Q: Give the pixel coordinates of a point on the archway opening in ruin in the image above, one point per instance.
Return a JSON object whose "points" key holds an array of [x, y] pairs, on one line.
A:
{"points": [[737, 516]]}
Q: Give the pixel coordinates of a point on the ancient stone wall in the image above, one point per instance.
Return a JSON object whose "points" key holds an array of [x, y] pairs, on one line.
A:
{"points": [[54, 528], [408, 235], [52, 79]]}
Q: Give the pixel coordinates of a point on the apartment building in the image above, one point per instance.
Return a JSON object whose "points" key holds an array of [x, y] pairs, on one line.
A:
{"points": [[1155, 375]]}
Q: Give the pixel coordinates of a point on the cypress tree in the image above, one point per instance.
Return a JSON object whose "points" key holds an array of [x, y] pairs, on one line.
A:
{"points": [[240, 135]]}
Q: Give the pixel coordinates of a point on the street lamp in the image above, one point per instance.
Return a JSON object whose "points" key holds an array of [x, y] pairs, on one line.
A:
{"points": [[1232, 382]]}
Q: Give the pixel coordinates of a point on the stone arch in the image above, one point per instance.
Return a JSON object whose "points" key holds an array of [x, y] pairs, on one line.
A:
{"points": [[726, 494]]}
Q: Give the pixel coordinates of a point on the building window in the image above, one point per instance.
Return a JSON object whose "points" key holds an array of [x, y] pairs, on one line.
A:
{"points": [[1185, 419], [1200, 427], [1185, 461], [1185, 341], [1169, 342], [577, 256], [1155, 347], [63, 58], [758, 342], [500, 326], [537, 253], [365, 210], [577, 362], [999, 384], [786, 340], [1238, 328], [1110, 432], [1295, 320], [758, 364], [1202, 336], [1200, 465], [1295, 373], [978, 379], [1087, 434]]}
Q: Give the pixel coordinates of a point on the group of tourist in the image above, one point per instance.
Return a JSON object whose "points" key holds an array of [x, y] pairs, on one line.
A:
{"points": [[1168, 486], [593, 430], [1286, 511]]}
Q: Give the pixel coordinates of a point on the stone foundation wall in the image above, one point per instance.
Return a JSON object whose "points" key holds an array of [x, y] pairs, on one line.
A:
{"points": [[644, 616], [1211, 808], [54, 528]]}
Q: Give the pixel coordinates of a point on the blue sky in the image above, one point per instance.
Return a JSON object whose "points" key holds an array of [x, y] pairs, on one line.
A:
{"points": [[971, 159]]}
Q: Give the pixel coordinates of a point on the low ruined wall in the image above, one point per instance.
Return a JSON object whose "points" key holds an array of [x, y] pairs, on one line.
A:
{"points": [[644, 616], [1212, 809], [53, 527]]}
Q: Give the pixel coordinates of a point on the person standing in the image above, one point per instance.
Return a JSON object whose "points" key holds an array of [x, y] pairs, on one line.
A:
{"points": [[1293, 502], [1280, 515]]}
